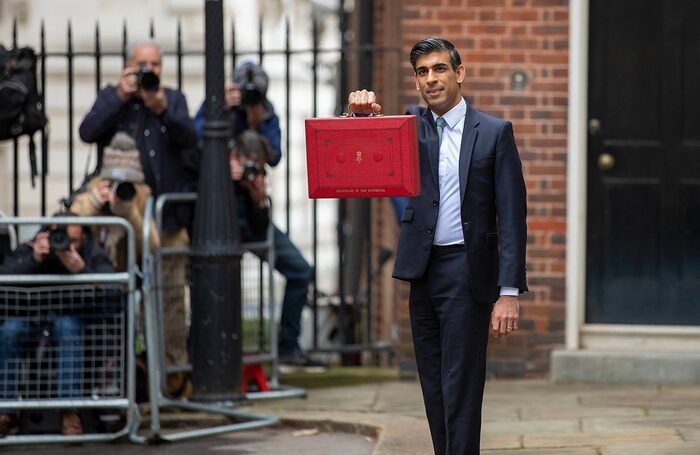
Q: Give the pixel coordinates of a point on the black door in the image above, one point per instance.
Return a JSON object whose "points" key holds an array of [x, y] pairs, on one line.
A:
{"points": [[643, 208]]}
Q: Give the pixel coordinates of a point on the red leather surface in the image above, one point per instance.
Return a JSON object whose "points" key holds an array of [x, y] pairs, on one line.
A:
{"points": [[362, 157]]}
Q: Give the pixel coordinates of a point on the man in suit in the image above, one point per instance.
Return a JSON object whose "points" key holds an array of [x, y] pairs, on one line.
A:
{"points": [[461, 245]]}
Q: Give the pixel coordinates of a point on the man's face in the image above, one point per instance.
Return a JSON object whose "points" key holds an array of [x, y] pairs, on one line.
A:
{"points": [[438, 82], [147, 55]]}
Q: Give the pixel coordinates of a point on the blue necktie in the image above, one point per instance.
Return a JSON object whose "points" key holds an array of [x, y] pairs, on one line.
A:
{"points": [[440, 126]]}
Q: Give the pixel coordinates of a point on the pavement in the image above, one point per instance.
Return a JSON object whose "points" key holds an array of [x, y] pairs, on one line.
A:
{"points": [[519, 417], [363, 411]]}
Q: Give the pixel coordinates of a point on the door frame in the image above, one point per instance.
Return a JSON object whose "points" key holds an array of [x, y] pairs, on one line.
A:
{"points": [[580, 335]]}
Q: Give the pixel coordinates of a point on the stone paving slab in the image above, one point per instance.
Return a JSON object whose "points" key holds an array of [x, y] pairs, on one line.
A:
{"points": [[521, 427], [557, 451], [601, 439], [652, 449], [656, 401], [501, 441], [499, 413], [399, 397], [674, 421], [691, 435], [524, 417], [553, 411]]}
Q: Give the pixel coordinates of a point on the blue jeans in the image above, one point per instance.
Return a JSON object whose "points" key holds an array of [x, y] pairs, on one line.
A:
{"points": [[15, 333], [297, 272]]}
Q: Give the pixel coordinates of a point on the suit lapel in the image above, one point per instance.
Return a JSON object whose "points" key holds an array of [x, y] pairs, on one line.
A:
{"points": [[431, 139], [465, 152]]}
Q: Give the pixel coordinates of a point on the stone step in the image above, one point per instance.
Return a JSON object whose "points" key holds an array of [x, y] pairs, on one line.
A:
{"points": [[625, 367]]}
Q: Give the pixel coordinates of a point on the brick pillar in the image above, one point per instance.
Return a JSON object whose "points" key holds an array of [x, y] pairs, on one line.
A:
{"points": [[502, 41]]}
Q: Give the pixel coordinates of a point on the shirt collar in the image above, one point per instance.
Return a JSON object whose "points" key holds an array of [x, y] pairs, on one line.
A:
{"points": [[454, 115]]}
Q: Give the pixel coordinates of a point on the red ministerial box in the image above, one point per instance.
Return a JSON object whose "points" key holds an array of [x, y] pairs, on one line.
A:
{"points": [[362, 156]]}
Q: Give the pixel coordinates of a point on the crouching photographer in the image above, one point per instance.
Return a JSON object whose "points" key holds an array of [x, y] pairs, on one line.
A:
{"points": [[118, 190], [249, 153], [66, 249]]}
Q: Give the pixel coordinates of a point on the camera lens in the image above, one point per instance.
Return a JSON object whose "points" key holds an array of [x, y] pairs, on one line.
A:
{"points": [[59, 240], [250, 95], [125, 191], [148, 80]]}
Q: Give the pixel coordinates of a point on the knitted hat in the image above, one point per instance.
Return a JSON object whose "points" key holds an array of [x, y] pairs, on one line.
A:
{"points": [[121, 161], [251, 75]]}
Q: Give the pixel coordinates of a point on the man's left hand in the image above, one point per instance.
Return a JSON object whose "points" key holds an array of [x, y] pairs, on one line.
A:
{"points": [[71, 260], [156, 101], [505, 316]]}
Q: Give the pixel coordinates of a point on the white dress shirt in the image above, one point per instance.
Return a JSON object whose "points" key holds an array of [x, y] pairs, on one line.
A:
{"points": [[448, 230]]}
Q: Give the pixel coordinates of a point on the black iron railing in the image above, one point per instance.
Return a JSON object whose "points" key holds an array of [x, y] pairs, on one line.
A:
{"points": [[363, 49]]}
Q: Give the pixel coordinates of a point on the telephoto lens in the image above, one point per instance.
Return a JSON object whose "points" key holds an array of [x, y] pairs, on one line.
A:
{"points": [[59, 240], [148, 80], [125, 191]]}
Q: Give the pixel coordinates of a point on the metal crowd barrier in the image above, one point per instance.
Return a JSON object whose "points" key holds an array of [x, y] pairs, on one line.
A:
{"points": [[259, 326], [93, 371]]}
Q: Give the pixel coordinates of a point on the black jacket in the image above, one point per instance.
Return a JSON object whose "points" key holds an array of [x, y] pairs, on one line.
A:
{"points": [[56, 299], [166, 142], [21, 261], [493, 208], [253, 220]]}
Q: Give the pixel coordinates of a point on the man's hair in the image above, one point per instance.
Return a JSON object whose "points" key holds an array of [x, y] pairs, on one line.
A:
{"points": [[136, 44], [64, 214], [253, 146], [430, 45]]}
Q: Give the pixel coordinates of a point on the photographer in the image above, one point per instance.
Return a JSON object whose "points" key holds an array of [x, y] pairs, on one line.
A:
{"points": [[249, 108], [54, 250], [247, 160], [158, 119], [118, 190], [248, 157]]}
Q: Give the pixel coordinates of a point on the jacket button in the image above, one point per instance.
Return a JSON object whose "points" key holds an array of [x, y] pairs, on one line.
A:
{"points": [[430, 231], [435, 203]]}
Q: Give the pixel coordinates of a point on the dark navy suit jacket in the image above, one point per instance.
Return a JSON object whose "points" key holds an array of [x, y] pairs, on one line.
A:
{"points": [[493, 207]]}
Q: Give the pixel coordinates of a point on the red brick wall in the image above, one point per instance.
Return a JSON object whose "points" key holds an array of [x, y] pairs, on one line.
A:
{"points": [[496, 38]]}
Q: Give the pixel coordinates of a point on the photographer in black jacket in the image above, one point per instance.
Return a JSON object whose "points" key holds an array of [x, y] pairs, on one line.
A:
{"points": [[67, 249]]}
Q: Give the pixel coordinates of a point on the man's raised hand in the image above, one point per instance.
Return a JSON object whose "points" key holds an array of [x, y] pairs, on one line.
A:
{"points": [[363, 102]]}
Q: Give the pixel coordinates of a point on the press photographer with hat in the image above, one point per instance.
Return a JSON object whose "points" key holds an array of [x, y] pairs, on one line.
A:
{"points": [[118, 190]]}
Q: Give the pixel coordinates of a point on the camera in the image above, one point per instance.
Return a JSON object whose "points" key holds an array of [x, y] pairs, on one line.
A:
{"points": [[251, 95], [58, 239], [147, 79], [251, 169], [125, 191]]}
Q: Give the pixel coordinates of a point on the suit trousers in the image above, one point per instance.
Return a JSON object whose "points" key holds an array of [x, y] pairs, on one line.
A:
{"points": [[450, 334]]}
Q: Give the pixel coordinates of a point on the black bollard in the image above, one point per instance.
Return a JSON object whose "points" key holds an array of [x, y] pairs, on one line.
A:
{"points": [[215, 333]]}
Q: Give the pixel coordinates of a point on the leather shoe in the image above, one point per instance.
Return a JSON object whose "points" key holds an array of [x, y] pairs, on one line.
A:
{"points": [[71, 425]]}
